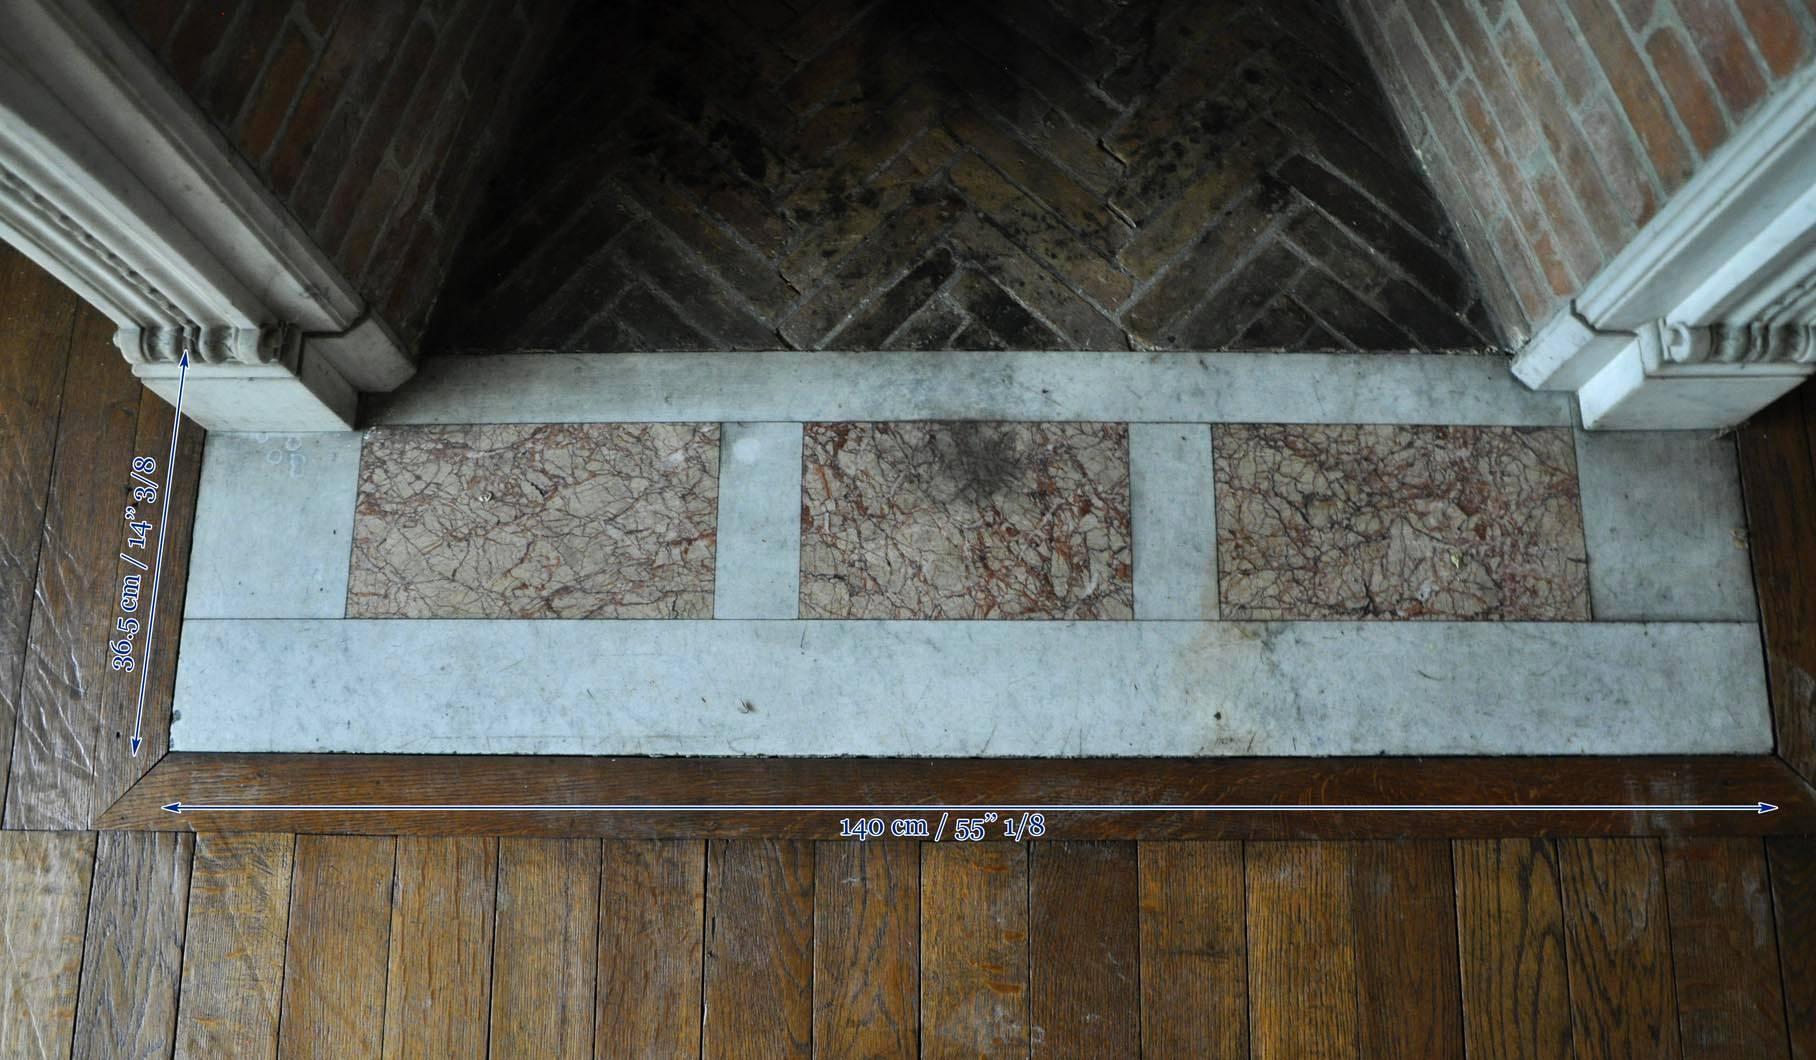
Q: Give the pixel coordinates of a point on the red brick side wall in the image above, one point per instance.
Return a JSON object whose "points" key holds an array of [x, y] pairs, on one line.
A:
{"points": [[1554, 129], [377, 122]]}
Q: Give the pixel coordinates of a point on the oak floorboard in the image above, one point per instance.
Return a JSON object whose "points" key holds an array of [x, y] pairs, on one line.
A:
{"points": [[1793, 873], [1510, 941], [758, 976], [974, 950], [546, 950], [1302, 951], [1410, 995], [1723, 954], [68, 686], [1622, 1001], [44, 885], [441, 949], [1194, 952], [37, 318], [132, 960], [652, 902], [866, 949], [233, 955], [338, 943], [1084, 930]]}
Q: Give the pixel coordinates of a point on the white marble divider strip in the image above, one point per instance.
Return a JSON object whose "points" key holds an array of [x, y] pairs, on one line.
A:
{"points": [[273, 526], [970, 688], [757, 562], [1665, 527], [1173, 519], [1112, 387]]}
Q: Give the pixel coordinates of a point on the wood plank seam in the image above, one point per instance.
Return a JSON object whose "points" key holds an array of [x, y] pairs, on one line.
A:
{"points": [[283, 965], [88, 900], [492, 950], [1248, 951], [1779, 972], [598, 936], [1677, 1023], [1570, 984], [1140, 962], [390, 930], [277, 1027], [705, 928]]}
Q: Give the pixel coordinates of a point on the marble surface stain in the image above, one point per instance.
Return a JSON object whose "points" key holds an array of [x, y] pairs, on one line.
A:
{"points": [[966, 521]]}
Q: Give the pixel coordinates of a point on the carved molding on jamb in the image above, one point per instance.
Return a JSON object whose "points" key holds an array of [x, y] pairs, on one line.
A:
{"points": [[113, 180], [1709, 315]]}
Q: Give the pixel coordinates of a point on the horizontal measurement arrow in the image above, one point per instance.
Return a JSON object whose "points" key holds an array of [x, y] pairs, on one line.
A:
{"points": [[543, 807]]}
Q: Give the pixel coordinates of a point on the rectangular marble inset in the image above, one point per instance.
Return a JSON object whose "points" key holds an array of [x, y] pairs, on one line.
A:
{"points": [[972, 688], [273, 526], [1666, 529], [1387, 522], [536, 521], [1174, 521], [965, 520], [759, 545]]}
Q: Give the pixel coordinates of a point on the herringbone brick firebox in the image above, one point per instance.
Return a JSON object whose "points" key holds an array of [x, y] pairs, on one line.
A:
{"points": [[1029, 174]]}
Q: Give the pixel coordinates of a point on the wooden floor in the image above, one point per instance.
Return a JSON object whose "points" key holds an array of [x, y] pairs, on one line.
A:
{"points": [[352, 946], [122, 944]]}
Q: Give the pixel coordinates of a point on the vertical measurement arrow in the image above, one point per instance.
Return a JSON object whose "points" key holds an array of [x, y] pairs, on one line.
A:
{"points": [[157, 570]]}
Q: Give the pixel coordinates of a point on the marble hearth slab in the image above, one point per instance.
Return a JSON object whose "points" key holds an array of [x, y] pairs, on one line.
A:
{"points": [[970, 688]]}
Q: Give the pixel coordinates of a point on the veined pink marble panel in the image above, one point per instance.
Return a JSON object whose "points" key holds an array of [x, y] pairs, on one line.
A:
{"points": [[966, 520], [1399, 523], [536, 521]]}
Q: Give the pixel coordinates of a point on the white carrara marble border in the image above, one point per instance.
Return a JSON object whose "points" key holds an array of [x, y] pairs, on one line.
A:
{"points": [[273, 526], [969, 688], [1112, 387], [757, 554], [1665, 527], [1173, 520]]}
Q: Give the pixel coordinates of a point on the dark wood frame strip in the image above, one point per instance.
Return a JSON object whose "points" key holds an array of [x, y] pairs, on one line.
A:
{"points": [[290, 779]]}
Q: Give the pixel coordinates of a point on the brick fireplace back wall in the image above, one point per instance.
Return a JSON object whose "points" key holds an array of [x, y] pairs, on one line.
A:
{"points": [[1554, 129], [376, 122]]}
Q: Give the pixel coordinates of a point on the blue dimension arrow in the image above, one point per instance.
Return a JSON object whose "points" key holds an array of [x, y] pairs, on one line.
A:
{"points": [[543, 807], [157, 571]]}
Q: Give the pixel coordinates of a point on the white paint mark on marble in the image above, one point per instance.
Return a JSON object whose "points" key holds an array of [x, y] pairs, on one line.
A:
{"points": [[1111, 387], [758, 567], [667, 687], [1665, 527], [273, 526], [1173, 502]]}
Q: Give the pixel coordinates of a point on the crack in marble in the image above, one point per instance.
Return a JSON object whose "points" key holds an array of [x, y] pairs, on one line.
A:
{"points": [[966, 521], [1343, 521], [536, 521]]}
